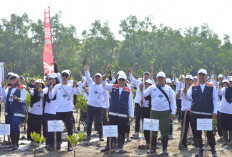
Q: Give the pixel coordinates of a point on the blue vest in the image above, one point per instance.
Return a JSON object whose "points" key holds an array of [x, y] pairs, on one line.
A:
{"points": [[119, 106], [202, 101], [18, 109]]}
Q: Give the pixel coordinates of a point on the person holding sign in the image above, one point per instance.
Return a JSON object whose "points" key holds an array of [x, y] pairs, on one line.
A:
{"points": [[185, 109], [225, 110], [64, 110], [204, 105], [35, 110], [121, 106], [15, 107], [162, 102]]}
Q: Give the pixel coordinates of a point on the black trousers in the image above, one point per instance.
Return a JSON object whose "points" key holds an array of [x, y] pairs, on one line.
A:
{"points": [[219, 124], [186, 120], [121, 122], [33, 124], [146, 114], [178, 105], [138, 116], [198, 134], [67, 118]]}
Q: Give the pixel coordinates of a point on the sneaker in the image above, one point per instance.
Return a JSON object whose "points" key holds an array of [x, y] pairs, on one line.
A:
{"points": [[70, 148], [106, 149], [183, 147], [15, 147], [87, 138]]}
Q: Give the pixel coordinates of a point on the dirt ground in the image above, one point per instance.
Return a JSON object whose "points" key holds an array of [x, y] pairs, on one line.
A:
{"points": [[92, 148]]}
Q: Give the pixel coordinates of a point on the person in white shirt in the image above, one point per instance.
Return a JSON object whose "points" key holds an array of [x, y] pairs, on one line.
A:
{"points": [[179, 85], [35, 109], [204, 105], [138, 96], [185, 109], [64, 100], [97, 97], [225, 111], [121, 106], [162, 102], [15, 107]]}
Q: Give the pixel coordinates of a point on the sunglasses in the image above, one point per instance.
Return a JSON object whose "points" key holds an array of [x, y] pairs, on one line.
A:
{"points": [[64, 75], [121, 79], [12, 78]]}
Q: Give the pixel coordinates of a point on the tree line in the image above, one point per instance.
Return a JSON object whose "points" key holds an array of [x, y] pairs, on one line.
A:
{"points": [[143, 44]]}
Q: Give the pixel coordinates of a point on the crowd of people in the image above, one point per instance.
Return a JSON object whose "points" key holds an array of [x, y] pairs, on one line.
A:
{"points": [[110, 102]]}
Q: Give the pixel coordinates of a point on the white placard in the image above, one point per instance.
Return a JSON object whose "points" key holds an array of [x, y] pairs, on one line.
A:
{"points": [[1, 71], [110, 131], [150, 124], [4, 129], [204, 124], [55, 126]]}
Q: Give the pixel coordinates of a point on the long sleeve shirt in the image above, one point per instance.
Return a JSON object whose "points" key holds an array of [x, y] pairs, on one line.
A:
{"points": [[225, 107], [179, 85], [97, 94], [64, 96], [109, 87], [4, 92], [37, 107], [158, 100]]}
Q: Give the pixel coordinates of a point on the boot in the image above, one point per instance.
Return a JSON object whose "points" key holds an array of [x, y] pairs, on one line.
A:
{"points": [[225, 138], [165, 144], [230, 137], [153, 146]]}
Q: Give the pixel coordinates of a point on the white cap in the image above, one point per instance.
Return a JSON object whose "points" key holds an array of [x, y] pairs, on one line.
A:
{"points": [[146, 72], [182, 76], [53, 75], [225, 81], [39, 81], [230, 79], [98, 74], [14, 75], [220, 76], [121, 72], [161, 74], [67, 72], [148, 81], [195, 77], [168, 80], [123, 76], [189, 77], [203, 71]]}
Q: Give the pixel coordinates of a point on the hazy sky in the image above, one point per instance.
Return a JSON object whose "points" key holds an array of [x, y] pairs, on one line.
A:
{"points": [[173, 13]]}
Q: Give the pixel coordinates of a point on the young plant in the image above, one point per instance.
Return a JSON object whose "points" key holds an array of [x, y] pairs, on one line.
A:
{"points": [[75, 139], [37, 140]]}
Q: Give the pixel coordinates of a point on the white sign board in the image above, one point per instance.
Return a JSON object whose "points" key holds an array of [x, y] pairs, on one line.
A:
{"points": [[55, 126], [110, 131], [150, 124], [1, 71], [4, 129], [204, 124]]}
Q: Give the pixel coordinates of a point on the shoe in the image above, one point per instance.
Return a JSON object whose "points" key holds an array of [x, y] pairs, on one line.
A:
{"points": [[153, 151], [183, 147], [70, 148], [101, 139], [120, 151], [15, 147], [199, 154], [87, 138], [106, 149], [214, 154]]}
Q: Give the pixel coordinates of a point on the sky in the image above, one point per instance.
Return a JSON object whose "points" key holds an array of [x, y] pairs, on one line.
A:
{"points": [[174, 13]]}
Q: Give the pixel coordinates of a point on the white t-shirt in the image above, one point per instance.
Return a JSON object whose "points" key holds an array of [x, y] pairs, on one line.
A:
{"points": [[50, 108], [225, 107], [64, 97], [37, 107]]}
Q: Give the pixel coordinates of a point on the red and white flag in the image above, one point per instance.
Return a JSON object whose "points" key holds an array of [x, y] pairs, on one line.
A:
{"points": [[47, 52]]}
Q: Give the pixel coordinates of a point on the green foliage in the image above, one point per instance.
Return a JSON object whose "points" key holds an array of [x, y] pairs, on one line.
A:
{"points": [[143, 43], [74, 139], [81, 103], [37, 139], [28, 100]]}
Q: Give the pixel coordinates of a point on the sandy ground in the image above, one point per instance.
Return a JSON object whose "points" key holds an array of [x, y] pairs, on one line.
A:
{"points": [[92, 148]]}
